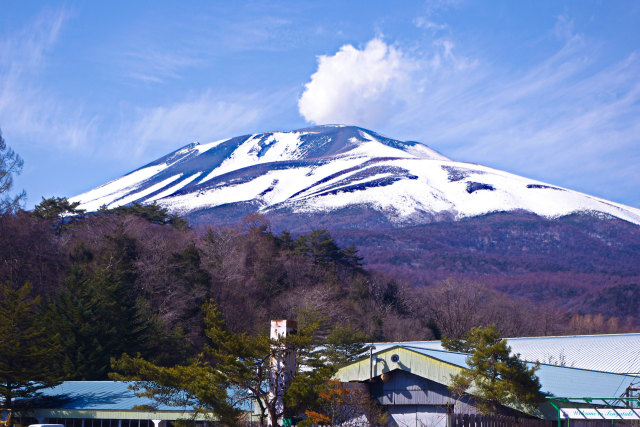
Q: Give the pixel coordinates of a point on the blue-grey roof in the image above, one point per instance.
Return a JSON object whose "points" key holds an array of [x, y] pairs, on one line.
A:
{"points": [[96, 395], [559, 381], [618, 353]]}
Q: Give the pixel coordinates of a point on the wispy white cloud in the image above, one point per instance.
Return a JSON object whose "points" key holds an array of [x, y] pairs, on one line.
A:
{"points": [[564, 28], [154, 65], [30, 110], [27, 107], [25, 50], [202, 117], [434, 6], [428, 21], [157, 58], [427, 24], [266, 31]]}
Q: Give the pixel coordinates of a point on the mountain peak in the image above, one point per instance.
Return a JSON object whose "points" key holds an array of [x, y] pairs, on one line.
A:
{"points": [[331, 167]]}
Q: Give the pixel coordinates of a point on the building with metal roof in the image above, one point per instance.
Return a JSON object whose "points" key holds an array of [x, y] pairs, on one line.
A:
{"points": [[556, 380], [619, 353], [411, 382], [103, 404], [414, 390]]}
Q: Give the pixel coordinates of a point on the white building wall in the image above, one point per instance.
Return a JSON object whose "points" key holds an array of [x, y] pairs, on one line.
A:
{"points": [[418, 416]]}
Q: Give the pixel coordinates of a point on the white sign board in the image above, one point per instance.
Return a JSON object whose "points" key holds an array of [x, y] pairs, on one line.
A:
{"points": [[600, 413]]}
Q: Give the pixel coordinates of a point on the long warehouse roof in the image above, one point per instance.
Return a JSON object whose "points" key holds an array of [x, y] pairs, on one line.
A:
{"points": [[619, 353], [555, 380]]}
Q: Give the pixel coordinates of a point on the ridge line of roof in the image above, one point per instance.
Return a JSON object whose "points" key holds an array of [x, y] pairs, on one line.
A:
{"points": [[439, 350], [630, 334]]}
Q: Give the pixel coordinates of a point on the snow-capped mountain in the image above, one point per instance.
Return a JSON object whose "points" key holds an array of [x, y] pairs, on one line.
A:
{"points": [[326, 168]]}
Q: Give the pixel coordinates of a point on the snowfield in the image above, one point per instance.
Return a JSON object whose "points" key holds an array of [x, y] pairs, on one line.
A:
{"points": [[325, 168]]}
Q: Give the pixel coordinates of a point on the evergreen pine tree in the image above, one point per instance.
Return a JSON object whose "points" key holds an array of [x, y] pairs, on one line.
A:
{"points": [[10, 165], [27, 349], [96, 320], [56, 208], [76, 313], [126, 326], [498, 377], [238, 363]]}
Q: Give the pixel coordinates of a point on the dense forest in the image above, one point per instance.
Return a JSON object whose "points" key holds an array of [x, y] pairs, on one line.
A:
{"points": [[134, 280], [583, 262], [576, 261]]}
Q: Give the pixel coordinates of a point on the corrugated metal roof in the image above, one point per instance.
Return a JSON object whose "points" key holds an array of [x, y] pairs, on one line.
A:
{"points": [[96, 395], [610, 353], [619, 353], [560, 381]]}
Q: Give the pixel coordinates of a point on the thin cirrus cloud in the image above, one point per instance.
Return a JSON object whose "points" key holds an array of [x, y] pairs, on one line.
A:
{"points": [[162, 58], [567, 119], [28, 109], [426, 24], [25, 50], [156, 66], [202, 117], [31, 111]]}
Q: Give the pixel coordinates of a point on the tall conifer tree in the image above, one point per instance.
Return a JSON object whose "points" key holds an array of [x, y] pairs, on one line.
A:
{"points": [[10, 165], [27, 349], [76, 312], [97, 319], [498, 377]]}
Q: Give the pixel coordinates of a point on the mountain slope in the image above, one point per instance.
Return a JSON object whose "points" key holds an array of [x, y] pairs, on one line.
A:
{"points": [[412, 213], [326, 169]]}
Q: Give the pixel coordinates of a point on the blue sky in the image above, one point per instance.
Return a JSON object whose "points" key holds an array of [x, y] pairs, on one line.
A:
{"points": [[544, 89]]}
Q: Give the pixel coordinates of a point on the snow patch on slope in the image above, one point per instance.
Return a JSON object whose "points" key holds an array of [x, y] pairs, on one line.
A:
{"points": [[202, 148], [169, 191], [144, 193], [433, 192], [107, 193], [259, 149], [374, 148]]}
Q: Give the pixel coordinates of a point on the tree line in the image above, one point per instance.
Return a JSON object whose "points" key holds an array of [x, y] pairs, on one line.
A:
{"points": [[134, 280], [80, 289]]}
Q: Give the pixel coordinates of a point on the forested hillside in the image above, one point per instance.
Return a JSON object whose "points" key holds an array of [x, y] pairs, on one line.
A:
{"points": [[578, 262], [134, 280]]}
